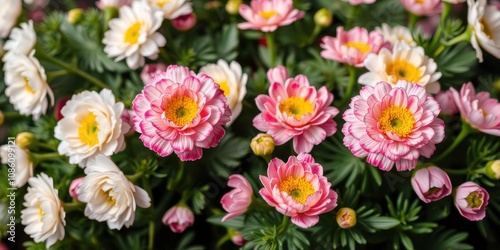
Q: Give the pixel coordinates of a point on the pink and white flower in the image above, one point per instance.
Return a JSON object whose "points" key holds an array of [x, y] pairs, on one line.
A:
{"points": [[268, 15], [184, 22], [431, 184], [479, 110], [352, 46], [178, 218], [294, 109], [181, 112], [150, 70], [423, 8], [471, 201], [73, 187], [446, 102], [237, 201], [393, 126], [298, 189]]}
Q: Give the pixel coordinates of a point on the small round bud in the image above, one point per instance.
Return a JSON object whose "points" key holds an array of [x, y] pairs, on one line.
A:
{"points": [[346, 217], [73, 187], [25, 139], [493, 169], [75, 15], [323, 17], [262, 145], [2, 117], [238, 239], [233, 6]]}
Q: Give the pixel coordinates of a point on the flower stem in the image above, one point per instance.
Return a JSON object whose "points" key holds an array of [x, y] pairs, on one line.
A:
{"points": [[272, 48], [464, 171], [350, 87], [151, 238], [55, 74], [412, 21], [43, 157], [135, 177], [222, 240], [11, 115], [466, 130], [45, 145], [75, 205]]}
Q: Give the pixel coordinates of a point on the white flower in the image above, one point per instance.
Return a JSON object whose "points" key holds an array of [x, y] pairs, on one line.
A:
{"points": [[21, 41], [396, 34], [485, 23], [231, 81], [21, 161], [43, 215], [133, 35], [9, 12], [403, 63], [27, 86], [172, 8], [91, 125], [102, 4], [109, 195]]}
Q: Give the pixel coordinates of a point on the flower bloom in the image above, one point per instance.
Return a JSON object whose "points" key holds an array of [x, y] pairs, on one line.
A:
{"points": [[431, 184], [402, 63], [423, 8], [484, 22], [298, 189], [109, 195], [172, 9], [393, 126], [471, 201], [268, 15], [8, 17], [91, 125], [73, 187], [178, 218], [396, 34], [181, 112], [237, 201], [446, 102], [184, 22], [21, 40], [150, 70], [43, 214], [22, 164], [294, 109], [232, 81], [133, 35], [479, 110], [352, 46], [358, 2], [102, 4]]}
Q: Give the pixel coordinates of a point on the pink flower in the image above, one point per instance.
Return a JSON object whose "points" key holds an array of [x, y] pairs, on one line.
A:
{"points": [[237, 239], [184, 22], [237, 201], [150, 70], [298, 189], [393, 125], [353, 46], [446, 102], [423, 8], [431, 184], [268, 15], [178, 218], [295, 110], [358, 2], [128, 118], [73, 187], [471, 201], [181, 112], [479, 110]]}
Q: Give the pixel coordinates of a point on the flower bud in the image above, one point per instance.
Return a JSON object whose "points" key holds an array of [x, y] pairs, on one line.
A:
{"points": [[471, 201], [178, 218], [431, 183], [25, 139], [233, 6], [262, 145], [346, 217], [75, 15], [2, 117], [493, 169], [73, 187], [323, 18], [238, 239], [184, 22]]}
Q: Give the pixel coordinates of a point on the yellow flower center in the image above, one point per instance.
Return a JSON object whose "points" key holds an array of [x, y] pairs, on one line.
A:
{"points": [[40, 210], [420, 1], [398, 120], [474, 200], [133, 32], [181, 110], [267, 14], [296, 107], [27, 86], [486, 28], [299, 188], [362, 47], [88, 130], [109, 198], [161, 3], [403, 70], [224, 87]]}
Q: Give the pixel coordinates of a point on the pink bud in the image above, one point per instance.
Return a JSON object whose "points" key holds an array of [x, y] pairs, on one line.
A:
{"points": [[128, 117], [346, 217], [185, 22], [446, 102], [236, 201], [73, 187], [178, 218], [431, 184], [238, 239], [150, 70], [471, 201]]}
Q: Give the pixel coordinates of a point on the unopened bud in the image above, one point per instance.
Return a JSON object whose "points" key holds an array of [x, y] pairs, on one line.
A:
{"points": [[323, 17], [25, 139], [493, 169], [346, 217], [262, 145], [238, 239], [233, 6], [75, 15]]}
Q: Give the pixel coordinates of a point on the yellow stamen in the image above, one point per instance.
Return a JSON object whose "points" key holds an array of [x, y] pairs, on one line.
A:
{"points": [[299, 188], [27, 86], [88, 130], [40, 211], [296, 107], [181, 110], [403, 70], [474, 200], [224, 87], [420, 1], [362, 47], [398, 120], [486, 28], [161, 3], [133, 32], [267, 14]]}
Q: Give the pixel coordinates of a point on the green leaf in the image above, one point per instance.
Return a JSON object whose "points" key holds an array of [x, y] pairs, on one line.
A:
{"points": [[381, 222], [227, 43], [407, 243], [236, 222], [227, 154], [199, 201]]}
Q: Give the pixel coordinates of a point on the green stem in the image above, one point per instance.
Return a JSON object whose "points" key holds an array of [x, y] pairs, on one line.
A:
{"points": [[11, 115], [55, 74], [350, 21], [437, 35], [151, 234], [439, 50], [222, 240], [45, 145], [151, 238], [464, 171], [315, 34], [350, 87], [272, 48], [75, 205], [464, 37], [466, 130], [43, 157], [284, 224], [412, 21], [135, 177]]}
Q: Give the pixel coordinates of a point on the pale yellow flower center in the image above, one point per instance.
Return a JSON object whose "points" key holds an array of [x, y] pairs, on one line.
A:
{"points": [[362, 47], [133, 32], [267, 14], [420, 1], [161, 3], [109, 198], [224, 87], [181, 110], [397, 120], [296, 107], [474, 200], [88, 130], [299, 188], [486, 28], [40, 211], [27, 86], [403, 70]]}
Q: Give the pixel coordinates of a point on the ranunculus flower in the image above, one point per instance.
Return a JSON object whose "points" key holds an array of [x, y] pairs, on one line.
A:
{"points": [[479, 110], [21, 40], [181, 112], [172, 9], [423, 8], [431, 184], [446, 102], [298, 189], [396, 34], [352, 46], [294, 109], [22, 164], [237, 201], [10, 12], [393, 125], [471, 201], [73, 187], [150, 70], [109, 195], [184, 22], [268, 15], [484, 19], [178, 218]]}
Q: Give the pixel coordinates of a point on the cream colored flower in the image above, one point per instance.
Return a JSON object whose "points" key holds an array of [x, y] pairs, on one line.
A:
{"points": [[109, 195], [485, 23], [403, 63], [9, 12], [172, 8], [43, 215], [133, 35], [27, 86], [396, 34], [232, 81], [21, 162], [21, 40]]}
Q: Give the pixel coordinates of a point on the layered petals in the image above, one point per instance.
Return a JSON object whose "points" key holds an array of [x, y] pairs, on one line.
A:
{"points": [[431, 184], [471, 201], [268, 15], [237, 201]]}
